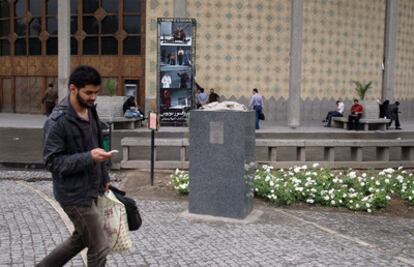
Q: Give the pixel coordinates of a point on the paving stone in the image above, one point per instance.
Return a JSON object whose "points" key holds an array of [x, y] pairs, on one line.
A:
{"points": [[30, 228]]}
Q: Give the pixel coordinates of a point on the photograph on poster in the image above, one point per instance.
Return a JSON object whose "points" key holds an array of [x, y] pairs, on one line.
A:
{"points": [[175, 99], [175, 79], [176, 33], [175, 56]]}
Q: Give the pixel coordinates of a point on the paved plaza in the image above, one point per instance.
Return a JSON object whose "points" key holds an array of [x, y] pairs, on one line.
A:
{"points": [[30, 121], [31, 226]]}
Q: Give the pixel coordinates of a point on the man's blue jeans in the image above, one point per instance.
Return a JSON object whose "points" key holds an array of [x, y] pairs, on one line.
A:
{"points": [[330, 115], [258, 109]]}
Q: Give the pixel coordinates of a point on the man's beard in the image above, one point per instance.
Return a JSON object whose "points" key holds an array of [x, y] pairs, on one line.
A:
{"points": [[84, 103]]}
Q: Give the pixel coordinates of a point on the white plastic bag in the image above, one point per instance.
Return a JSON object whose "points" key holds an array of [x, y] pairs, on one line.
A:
{"points": [[115, 221]]}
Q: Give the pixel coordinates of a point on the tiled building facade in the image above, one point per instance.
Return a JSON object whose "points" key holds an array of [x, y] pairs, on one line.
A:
{"points": [[246, 44]]}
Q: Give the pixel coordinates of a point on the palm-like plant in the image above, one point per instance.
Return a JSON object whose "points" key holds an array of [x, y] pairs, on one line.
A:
{"points": [[362, 88]]}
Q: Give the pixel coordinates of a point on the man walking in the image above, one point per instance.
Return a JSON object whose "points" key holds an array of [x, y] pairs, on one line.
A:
{"points": [[393, 114], [72, 153], [256, 103]]}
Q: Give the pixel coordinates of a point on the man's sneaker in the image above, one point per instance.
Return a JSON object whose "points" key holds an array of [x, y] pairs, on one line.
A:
{"points": [[398, 128]]}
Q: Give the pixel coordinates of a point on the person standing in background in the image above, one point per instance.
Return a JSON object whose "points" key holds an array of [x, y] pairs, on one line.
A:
{"points": [[213, 97], [393, 114], [50, 98], [180, 56], [256, 103], [383, 108], [202, 98]]}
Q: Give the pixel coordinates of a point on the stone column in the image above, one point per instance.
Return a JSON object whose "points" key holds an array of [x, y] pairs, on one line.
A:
{"points": [[390, 37], [295, 71], [180, 8], [63, 47]]}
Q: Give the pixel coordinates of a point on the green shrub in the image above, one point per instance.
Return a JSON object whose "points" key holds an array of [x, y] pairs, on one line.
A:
{"points": [[362, 88], [110, 86], [180, 181]]}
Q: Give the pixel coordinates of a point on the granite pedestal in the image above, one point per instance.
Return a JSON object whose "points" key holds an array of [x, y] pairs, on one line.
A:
{"points": [[222, 144]]}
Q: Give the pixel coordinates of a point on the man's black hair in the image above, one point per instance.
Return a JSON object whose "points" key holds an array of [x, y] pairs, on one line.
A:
{"points": [[202, 90], [397, 103], [83, 76], [356, 100], [50, 85], [255, 90]]}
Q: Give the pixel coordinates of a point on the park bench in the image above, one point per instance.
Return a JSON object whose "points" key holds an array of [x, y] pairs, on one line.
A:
{"points": [[109, 109], [368, 124], [128, 142], [370, 119], [300, 146]]}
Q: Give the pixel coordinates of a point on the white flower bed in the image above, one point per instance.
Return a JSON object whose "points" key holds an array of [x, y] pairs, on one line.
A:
{"points": [[352, 189]]}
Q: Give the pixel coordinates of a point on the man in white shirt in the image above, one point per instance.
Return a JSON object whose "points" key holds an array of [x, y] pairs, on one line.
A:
{"points": [[339, 112], [256, 103], [166, 81]]}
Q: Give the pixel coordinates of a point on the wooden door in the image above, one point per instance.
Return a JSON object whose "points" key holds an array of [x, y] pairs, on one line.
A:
{"points": [[29, 95], [6, 89]]}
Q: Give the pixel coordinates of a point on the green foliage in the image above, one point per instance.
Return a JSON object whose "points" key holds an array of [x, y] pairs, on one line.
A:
{"points": [[180, 181], [110, 86], [355, 190], [362, 88]]}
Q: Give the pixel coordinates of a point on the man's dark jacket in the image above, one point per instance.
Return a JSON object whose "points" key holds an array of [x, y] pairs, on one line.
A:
{"points": [[67, 157], [392, 112]]}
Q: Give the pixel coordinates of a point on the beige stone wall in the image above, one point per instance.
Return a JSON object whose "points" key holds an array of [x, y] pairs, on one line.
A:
{"points": [[240, 45], [404, 61], [343, 40]]}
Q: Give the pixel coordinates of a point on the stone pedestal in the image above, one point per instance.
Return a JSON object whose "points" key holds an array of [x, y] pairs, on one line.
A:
{"points": [[221, 144]]}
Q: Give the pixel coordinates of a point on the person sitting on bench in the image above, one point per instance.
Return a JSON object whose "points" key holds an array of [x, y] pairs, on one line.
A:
{"points": [[340, 106], [131, 109], [356, 113]]}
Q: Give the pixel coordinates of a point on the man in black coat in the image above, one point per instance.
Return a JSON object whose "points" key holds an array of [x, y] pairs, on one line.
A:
{"points": [[213, 97], [73, 154], [393, 114]]}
